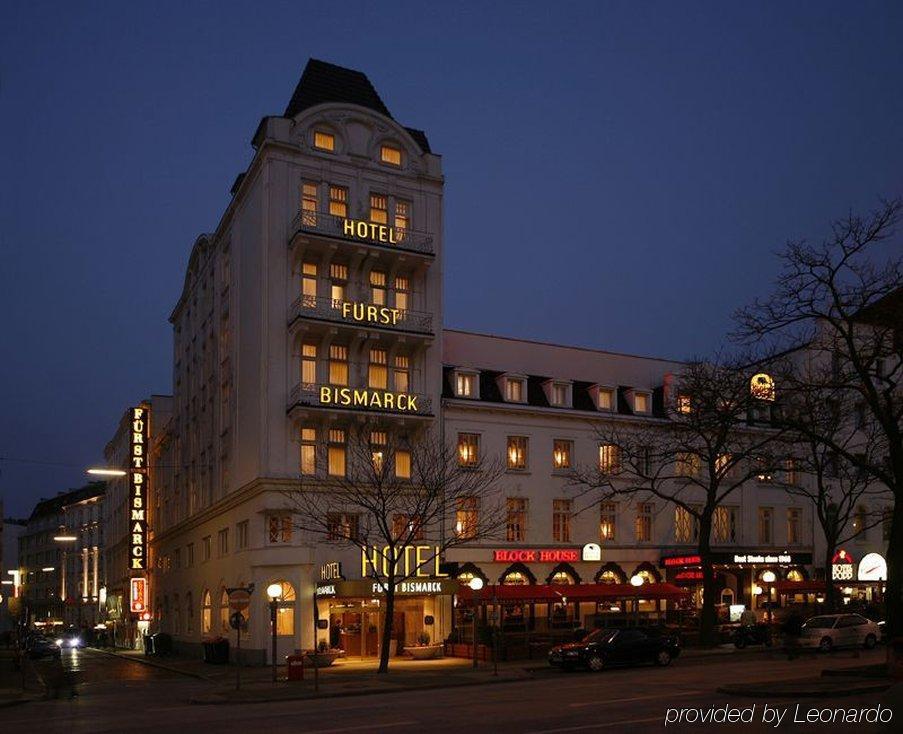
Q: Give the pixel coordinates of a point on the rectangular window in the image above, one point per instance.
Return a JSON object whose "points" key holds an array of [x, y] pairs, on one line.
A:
{"points": [[206, 543], [561, 453], [324, 140], [606, 399], [766, 517], [561, 521], [401, 374], [309, 204], [309, 451], [723, 464], [390, 154], [687, 464], [794, 526], [379, 209], [516, 523], [609, 458], [407, 527], [467, 517], [338, 201], [468, 449], [402, 220], [725, 525], [189, 555], [336, 453], [641, 402], [309, 284], [378, 441], [338, 365], [643, 522], [514, 390], [517, 452], [338, 275], [223, 542], [559, 394], [403, 464], [684, 404], [608, 522], [341, 526], [402, 293], [686, 526], [279, 528], [308, 366], [790, 473], [377, 370], [241, 535], [378, 288], [464, 385]]}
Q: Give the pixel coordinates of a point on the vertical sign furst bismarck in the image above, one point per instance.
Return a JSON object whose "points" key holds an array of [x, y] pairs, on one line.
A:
{"points": [[138, 486]]}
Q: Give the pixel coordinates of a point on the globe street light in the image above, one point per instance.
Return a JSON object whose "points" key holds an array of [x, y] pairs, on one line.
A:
{"points": [[475, 584], [274, 591], [769, 578]]}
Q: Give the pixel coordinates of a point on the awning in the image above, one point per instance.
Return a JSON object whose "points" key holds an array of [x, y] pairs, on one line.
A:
{"points": [[551, 593], [799, 587]]}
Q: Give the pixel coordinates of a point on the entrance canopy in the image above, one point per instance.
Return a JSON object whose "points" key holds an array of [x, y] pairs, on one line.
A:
{"points": [[573, 592]]}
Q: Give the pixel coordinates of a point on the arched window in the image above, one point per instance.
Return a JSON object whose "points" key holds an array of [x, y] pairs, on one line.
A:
{"points": [[648, 573], [189, 614], [206, 613], [469, 571], [608, 577], [561, 578], [647, 576], [563, 574], [224, 610], [285, 610], [794, 574], [727, 596], [611, 573], [517, 574]]}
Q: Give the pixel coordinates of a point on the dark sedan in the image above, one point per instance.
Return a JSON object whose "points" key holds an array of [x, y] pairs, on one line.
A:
{"points": [[608, 648], [39, 647]]}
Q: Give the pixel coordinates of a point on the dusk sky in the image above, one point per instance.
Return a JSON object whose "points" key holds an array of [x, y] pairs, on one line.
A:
{"points": [[617, 174]]}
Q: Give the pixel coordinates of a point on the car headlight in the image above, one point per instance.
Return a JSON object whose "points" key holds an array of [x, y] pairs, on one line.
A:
{"points": [[59, 642], [75, 642]]}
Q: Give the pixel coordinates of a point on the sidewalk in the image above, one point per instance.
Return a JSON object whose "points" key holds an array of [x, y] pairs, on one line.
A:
{"points": [[11, 682]]}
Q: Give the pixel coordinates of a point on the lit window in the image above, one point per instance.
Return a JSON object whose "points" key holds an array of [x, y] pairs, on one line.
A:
{"points": [[309, 451], [684, 404], [408, 527], [390, 154], [560, 394], [324, 141], [464, 385], [608, 521], [338, 365], [561, 521], [516, 522], [338, 201], [402, 292], [401, 373], [514, 390], [686, 526], [336, 453], [641, 402], [687, 464], [402, 219], [309, 284], [308, 365], [224, 611], [338, 275], [643, 522], [206, 613], [561, 578], [279, 528], [766, 517], [468, 449], [723, 464], [377, 371], [309, 204], [342, 526], [403, 464], [377, 288], [378, 442], [285, 610], [467, 517], [606, 399], [561, 453], [609, 458], [517, 452], [761, 387], [379, 209], [515, 578], [725, 524]]}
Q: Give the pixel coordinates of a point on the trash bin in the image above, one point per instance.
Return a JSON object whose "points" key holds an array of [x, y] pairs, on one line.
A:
{"points": [[220, 651], [148, 645], [161, 643], [295, 667]]}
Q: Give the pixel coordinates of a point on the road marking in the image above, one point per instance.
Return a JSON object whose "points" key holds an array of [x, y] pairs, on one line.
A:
{"points": [[625, 700], [598, 726]]}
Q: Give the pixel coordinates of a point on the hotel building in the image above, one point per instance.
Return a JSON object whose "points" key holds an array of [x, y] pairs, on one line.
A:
{"points": [[315, 307]]}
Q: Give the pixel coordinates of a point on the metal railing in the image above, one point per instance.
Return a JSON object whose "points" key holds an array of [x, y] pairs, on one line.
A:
{"points": [[346, 312], [354, 399], [332, 226]]}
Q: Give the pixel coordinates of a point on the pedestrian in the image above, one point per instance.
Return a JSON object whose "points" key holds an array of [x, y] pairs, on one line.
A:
{"points": [[793, 630]]}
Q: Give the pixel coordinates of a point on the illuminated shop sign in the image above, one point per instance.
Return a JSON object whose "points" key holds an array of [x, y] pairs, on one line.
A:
{"points": [[749, 558], [368, 313], [745, 558], [536, 555], [842, 566], [348, 397], [592, 552], [677, 561], [138, 445], [361, 230], [331, 570], [872, 567], [366, 588], [418, 561], [138, 595], [688, 575]]}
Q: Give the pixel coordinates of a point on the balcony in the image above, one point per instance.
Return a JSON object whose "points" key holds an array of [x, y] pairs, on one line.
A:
{"points": [[359, 399], [360, 314], [350, 230]]}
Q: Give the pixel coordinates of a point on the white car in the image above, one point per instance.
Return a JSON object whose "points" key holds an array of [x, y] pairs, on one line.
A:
{"points": [[828, 631]]}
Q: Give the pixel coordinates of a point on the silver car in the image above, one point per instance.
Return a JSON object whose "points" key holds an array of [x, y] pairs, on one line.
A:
{"points": [[828, 631]]}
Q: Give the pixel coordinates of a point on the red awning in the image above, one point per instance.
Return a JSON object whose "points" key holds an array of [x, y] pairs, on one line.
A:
{"points": [[799, 587], [574, 592]]}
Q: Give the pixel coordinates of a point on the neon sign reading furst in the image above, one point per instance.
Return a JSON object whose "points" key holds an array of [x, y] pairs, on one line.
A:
{"points": [[139, 429]]}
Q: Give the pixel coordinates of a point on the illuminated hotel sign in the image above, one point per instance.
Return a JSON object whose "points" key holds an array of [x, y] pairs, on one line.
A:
{"points": [[331, 571], [361, 230], [540, 555], [368, 313], [138, 451], [420, 561], [138, 595], [366, 588], [350, 397]]}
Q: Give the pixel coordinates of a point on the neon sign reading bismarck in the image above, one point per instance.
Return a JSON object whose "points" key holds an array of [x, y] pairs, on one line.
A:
{"points": [[350, 397]]}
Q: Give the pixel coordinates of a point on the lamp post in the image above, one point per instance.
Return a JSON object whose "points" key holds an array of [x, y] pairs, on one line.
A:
{"points": [[476, 583], [274, 591], [636, 581], [769, 578]]}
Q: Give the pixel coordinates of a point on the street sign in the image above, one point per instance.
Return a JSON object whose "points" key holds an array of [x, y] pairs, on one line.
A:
{"points": [[236, 620], [239, 600]]}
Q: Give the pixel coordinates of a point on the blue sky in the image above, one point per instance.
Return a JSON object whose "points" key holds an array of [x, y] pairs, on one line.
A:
{"points": [[617, 174]]}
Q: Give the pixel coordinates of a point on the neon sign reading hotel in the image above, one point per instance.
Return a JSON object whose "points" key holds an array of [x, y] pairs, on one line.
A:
{"points": [[140, 419], [362, 230]]}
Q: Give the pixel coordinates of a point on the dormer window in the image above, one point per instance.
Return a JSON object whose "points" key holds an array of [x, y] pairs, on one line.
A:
{"points": [[515, 390], [465, 384], [390, 154], [606, 399], [324, 141], [559, 394], [642, 402]]}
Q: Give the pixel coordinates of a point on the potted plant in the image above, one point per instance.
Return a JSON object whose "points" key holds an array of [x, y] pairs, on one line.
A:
{"points": [[323, 656], [423, 650]]}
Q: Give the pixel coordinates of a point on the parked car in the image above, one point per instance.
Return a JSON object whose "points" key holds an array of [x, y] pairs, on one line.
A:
{"points": [[607, 648], [828, 631], [41, 647], [70, 640]]}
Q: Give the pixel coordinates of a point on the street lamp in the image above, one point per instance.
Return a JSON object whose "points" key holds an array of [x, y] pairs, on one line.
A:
{"points": [[274, 591], [636, 581], [769, 578], [475, 584], [104, 472]]}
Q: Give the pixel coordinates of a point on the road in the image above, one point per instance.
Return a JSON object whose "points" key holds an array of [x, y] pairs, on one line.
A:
{"points": [[124, 696]]}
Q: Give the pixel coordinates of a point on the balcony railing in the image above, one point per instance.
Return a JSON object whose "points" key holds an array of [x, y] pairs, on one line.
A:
{"points": [[364, 399], [329, 225], [360, 314]]}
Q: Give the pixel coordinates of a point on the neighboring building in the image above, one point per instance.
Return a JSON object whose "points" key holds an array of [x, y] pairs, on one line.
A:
{"points": [[81, 559], [10, 531]]}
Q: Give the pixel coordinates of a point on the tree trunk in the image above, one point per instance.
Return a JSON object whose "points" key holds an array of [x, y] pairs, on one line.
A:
{"points": [[830, 588], [385, 648], [708, 620], [894, 593]]}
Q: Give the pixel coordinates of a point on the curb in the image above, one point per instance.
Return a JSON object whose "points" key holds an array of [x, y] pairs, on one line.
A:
{"points": [[752, 691], [16, 702], [154, 664], [348, 694]]}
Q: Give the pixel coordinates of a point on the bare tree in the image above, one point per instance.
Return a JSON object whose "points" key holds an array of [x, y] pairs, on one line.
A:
{"points": [[837, 310], [397, 494], [716, 437]]}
